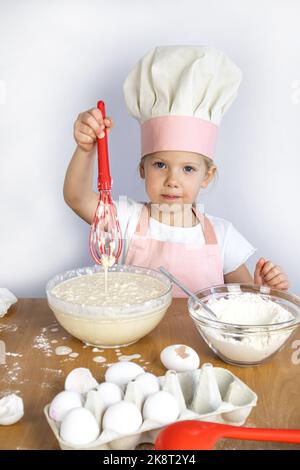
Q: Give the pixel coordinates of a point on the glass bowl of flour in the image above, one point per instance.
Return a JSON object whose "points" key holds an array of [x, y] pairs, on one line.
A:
{"points": [[253, 322], [109, 309]]}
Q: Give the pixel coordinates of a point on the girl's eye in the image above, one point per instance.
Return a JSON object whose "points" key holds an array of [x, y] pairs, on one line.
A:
{"points": [[188, 169], [159, 164]]}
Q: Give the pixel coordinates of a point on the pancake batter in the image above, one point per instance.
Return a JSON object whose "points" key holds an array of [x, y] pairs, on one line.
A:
{"points": [[122, 289]]}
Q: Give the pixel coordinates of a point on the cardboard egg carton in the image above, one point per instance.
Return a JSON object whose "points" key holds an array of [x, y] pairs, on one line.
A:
{"points": [[207, 394]]}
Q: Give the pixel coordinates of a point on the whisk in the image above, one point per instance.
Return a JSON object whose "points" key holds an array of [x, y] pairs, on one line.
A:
{"points": [[105, 235]]}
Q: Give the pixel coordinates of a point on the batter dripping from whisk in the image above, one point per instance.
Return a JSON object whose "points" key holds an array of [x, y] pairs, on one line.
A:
{"points": [[107, 261], [105, 235]]}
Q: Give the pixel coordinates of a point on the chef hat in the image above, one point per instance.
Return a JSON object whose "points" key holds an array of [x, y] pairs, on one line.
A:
{"points": [[179, 95]]}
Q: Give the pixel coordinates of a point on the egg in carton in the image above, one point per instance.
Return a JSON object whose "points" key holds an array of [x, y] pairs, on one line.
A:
{"points": [[207, 394]]}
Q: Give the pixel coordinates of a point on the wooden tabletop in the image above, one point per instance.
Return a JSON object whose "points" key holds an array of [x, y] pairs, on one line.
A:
{"points": [[30, 334]]}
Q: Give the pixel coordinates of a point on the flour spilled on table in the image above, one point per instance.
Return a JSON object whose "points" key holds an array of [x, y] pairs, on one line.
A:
{"points": [[129, 358], [4, 392], [47, 385], [99, 359], [12, 375], [73, 355], [55, 373], [63, 351], [42, 343], [13, 354], [45, 344], [8, 328]]}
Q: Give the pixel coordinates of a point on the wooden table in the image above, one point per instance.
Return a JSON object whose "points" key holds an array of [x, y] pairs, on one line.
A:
{"points": [[31, 334]]}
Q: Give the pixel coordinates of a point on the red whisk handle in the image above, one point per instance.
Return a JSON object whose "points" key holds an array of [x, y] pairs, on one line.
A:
{"points": [[104, 178]]}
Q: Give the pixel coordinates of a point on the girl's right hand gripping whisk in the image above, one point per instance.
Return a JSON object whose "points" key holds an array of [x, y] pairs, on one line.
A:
{"points": [[105, 235]]}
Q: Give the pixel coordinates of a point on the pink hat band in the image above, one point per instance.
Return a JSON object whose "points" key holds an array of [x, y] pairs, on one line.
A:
{"points": [[185, 133]]}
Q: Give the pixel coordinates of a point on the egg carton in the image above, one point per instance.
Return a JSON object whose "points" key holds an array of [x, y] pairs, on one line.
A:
{"points": [[208, 394]]}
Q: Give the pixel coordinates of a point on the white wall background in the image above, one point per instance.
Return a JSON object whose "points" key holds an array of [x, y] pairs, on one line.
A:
{"points": [[58, 57]]}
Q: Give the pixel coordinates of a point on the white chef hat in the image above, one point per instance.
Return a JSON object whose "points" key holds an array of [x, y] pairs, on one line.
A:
{"points": [[179, 95]]}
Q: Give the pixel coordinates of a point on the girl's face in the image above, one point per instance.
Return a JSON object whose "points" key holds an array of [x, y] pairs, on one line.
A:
{"points": [[174, 178]]}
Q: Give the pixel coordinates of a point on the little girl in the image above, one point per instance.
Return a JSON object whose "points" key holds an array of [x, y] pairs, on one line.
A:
{"points": [[179, 95]]}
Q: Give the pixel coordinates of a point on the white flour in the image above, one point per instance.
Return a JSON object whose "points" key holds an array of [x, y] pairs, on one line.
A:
{"points": [[99, 359], [42, 342], [8, 328], [247, 309], [13, 354], [129, 358], [11, 375], [63, 350], [55, 372]]}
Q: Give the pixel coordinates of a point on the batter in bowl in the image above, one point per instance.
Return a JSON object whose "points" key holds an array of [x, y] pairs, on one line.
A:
{"points": [[131, 306], [122, 289]]}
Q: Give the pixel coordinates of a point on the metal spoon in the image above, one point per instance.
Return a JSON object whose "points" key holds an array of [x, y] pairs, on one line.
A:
{"points": [[188, 292]]}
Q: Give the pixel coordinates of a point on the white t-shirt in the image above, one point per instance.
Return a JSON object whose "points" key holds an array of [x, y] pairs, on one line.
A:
{"points": [[235, 249]]}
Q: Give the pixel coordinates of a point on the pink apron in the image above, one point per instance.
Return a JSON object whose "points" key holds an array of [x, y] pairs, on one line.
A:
{"points": [[196, 266]]}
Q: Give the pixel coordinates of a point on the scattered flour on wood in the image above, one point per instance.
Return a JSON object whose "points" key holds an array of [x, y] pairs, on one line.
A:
{"points": [[129, 358], [42, 343], [63, 350], [99, 359], [8, 328], [13, 354], [56, 372]]}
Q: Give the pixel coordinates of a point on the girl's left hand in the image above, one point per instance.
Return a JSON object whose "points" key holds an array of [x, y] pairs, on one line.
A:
{"points": [[268, 274]]}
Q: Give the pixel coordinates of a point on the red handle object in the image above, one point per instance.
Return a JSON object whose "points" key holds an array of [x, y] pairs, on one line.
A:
{"points": [[104, 178], [200, 435]]}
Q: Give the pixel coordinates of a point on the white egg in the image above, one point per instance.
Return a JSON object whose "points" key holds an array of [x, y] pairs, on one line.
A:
{"points": [[80, 380], [148, 383], [63, 403], [180, 358], [11, 409], [161, 407], [123, 417], [79, 427], [121, 373], [110, 393]]}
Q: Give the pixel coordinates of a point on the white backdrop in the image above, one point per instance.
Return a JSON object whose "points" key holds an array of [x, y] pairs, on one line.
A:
{"points": [[58, 57]]}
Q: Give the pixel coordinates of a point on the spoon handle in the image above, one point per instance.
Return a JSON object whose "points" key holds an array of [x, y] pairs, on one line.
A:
{"points": [[181, 286], [261, 434], [187, 291]]}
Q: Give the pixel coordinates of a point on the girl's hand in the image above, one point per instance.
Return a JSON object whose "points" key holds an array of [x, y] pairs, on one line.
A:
{"points": [[89, 126], [266, 273]]}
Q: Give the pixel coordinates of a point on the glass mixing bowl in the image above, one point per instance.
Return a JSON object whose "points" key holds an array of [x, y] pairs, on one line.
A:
{"points": [[241, 344], [109, 326]]}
